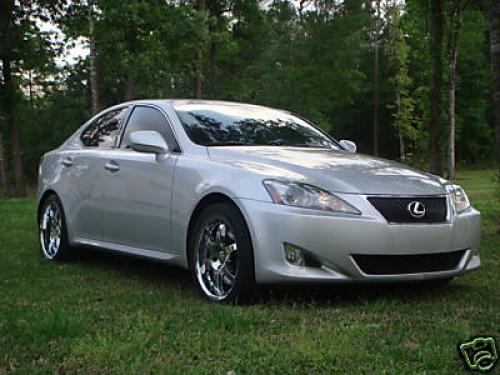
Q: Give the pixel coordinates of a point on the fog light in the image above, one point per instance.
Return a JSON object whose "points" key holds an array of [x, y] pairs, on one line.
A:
{"points": [[294, 255]]}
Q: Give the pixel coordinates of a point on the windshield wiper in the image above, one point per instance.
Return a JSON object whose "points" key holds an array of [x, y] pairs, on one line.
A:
{"points": [[308, 145], [230, 143], [281, 144]]}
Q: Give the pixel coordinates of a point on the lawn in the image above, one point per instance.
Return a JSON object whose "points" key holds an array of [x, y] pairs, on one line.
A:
{"points": [[116, 314]]}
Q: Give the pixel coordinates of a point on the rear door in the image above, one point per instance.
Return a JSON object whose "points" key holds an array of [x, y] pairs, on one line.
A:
{"points": [[85, 168], [137, 186]]}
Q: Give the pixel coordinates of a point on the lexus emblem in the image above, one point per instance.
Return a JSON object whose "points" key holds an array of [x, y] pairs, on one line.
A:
{"points": [[416, 209]]}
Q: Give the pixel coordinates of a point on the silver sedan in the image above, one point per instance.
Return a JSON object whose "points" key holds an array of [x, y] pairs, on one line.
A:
{"points": [[244, 195]]}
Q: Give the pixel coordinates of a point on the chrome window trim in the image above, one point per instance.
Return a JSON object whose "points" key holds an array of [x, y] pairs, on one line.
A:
{"points": [[167, 119], [98, 115]]}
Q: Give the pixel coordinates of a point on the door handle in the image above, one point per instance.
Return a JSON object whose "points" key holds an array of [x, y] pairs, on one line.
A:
{"points": [[112, 166], [68, 162]]}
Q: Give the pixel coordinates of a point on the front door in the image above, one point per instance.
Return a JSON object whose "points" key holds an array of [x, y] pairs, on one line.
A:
{"points": [[137, 187]]}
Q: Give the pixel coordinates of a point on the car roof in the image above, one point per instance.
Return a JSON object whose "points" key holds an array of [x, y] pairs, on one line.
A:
{"points": [[174, 102]]}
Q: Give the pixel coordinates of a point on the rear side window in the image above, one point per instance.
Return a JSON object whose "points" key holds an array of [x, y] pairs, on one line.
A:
{"points": [[148, 118], [102, 132]]}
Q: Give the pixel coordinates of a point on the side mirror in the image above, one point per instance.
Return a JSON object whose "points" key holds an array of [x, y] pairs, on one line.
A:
{"points": [[148, 141], [349, 146]]}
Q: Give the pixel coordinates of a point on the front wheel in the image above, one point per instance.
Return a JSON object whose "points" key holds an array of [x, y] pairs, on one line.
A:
{"points": [[221, 255], [52, 230]]}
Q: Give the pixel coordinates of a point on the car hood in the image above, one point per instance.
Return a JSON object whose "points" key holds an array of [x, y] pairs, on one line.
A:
{"points": [[336, 171]]}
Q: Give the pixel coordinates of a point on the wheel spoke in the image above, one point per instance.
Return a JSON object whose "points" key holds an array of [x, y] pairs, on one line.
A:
{"points": [[43, 222], [220, 235], [206, 266], [207, 235], [228, 276], [231, 248], [51, 247], [219, 282]]}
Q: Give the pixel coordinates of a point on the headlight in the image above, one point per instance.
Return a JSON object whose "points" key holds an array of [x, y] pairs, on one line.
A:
{"points": [[459, 198], [306, 196]]}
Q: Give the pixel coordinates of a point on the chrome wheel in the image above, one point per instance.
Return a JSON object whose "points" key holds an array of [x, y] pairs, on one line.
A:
{"points": [[51, 230], [216, 259]]}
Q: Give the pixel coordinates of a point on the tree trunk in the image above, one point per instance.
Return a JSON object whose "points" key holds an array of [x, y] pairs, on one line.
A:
{"points": [[451, 145], [435, 127], [198, 84], [30, 88], [402, 148], [3, 173], [376, 82], [9, 103], [302, 4], [212, 69], [495, 64], [9, 96], [130, 88], [402, 151], [456, 20], [94, 93], [131, 42]]}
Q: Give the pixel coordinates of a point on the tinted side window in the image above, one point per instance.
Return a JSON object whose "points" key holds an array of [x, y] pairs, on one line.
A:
{"points": [[103, 131], [147, 118]]}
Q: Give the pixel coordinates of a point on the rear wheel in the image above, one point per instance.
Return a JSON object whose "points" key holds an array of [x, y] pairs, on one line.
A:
{"points": [[221, 255], [52, 229]]}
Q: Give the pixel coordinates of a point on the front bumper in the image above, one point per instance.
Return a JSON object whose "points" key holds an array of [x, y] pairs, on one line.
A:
{"points": [[333, 239]]}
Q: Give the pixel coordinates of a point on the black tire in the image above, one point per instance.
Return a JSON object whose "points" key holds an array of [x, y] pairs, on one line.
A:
{"points": [[63, 251], [243, 288]]}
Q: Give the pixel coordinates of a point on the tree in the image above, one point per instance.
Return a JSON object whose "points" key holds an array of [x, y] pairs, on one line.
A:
{"points": [[495, 65], [398, 52], [435, 127], [8, 40], [23, 48], [376, 94], [94, 92], [456, 19], [3, 174], [199, 77]]}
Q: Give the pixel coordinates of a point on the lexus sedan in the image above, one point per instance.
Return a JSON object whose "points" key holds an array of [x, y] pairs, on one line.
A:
{"points": [[243, 195]]}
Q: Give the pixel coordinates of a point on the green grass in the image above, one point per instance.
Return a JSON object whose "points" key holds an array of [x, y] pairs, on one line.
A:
{"points": [[116, 314]]}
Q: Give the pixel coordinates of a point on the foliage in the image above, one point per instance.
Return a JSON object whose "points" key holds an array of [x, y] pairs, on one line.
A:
{"points": [[314, 58]]}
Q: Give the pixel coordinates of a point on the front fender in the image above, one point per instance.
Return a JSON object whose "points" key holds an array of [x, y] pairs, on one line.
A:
{"points": [[196, 178]]}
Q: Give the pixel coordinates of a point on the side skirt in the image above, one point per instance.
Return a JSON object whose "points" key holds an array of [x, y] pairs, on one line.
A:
{"points": [[151, 254]]}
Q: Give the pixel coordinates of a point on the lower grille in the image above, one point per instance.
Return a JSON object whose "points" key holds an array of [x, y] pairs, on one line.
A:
{"points": [[398, 210], [401, 264]]}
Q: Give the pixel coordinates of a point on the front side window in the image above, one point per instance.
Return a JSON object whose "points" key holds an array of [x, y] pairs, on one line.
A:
{"points": [[148, 118], [103, 131], [228, 124]]}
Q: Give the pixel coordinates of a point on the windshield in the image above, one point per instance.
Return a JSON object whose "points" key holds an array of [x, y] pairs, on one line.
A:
{"points": [[248, 125]]}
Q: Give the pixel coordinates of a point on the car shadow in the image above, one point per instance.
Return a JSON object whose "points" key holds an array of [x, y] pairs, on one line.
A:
{"points": [[134, 267], [158, 273]]}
